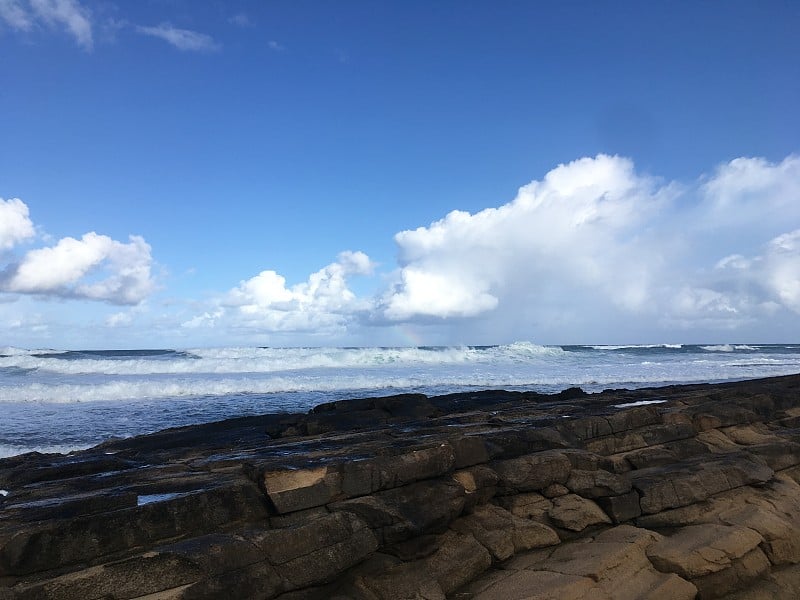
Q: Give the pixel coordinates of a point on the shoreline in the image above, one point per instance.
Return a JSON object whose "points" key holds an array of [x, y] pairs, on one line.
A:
{"points": [[468, 495]]}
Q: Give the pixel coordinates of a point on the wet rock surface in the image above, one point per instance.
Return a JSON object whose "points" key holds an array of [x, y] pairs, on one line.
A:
{"points": [[485, 495]]}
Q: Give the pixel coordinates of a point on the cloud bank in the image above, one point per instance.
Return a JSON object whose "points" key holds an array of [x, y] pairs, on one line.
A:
{"points": [[593, 252], [94, 267], [594, 246]]}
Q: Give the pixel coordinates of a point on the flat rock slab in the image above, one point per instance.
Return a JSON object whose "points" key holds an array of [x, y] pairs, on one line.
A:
{"points": [[699, 550]]}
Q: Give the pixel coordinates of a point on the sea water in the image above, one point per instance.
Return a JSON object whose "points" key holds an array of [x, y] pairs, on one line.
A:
{"points": [[57, 401]]}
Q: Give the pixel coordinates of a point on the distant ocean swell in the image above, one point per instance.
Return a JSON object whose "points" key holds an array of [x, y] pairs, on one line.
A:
{"points": [[69, 399]]}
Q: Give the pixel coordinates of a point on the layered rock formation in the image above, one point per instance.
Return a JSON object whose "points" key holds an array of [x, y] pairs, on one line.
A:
{"points": [[490, 495]]}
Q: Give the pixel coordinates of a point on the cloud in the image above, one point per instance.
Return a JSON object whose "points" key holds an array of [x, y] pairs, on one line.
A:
{"points": [[322, 302], [182, 39], [15, 224], [68, 15], [278, 47], [64, 270], [94, 267], [579, 226], [594, 250], [597, 238], [16, 15]]}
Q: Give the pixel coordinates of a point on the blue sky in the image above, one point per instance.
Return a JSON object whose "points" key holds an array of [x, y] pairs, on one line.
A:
{"points": [[180, 173]]}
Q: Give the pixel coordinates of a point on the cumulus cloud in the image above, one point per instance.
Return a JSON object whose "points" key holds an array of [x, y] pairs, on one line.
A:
{"points": [[15, 224], [579, 225], [596, 237], [593, 249], [94, 267], [182, 39], [68, 15], [123, 270], [322, 302]]}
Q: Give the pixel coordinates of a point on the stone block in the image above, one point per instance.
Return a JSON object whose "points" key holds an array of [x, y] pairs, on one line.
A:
{"points": [[575, 513], [533, 471], [621, 508]]}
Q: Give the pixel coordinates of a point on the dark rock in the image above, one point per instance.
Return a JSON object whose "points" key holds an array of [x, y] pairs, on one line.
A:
{"points": [[414, 497], [621, 508]]}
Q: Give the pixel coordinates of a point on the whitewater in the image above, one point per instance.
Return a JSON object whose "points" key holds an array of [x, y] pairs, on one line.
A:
{"points": [[57, 401]]}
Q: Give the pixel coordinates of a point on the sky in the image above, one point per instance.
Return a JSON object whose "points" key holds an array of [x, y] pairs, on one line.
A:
{"points": [[176, 173]]}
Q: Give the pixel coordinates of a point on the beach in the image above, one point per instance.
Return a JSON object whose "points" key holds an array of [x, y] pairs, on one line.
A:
{"points": [[686, 491]]}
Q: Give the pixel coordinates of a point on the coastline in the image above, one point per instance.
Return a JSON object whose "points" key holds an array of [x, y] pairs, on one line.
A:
{"points": [[621, 493]]}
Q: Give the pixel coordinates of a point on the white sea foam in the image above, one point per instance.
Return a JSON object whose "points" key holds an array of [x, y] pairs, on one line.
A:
{"points": [[638, 347], [729, 348]]}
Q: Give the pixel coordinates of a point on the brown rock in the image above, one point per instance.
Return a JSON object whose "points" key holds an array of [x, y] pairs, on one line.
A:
{"points": [[554, 490], [687, 483], [543, 585], [621, 508], [741, 572], [698, 550], [595, 484], [318, 551], [533, 471], [575, 513], [460, 559], [530, 505], [399, 514]]}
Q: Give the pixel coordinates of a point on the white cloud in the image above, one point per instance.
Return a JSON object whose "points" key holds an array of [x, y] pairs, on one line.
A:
{"points": [[277, 46], [579, 225], [67, 15], [64, 270], [324, 301], [15, 224], [183, 39], [594, 251], [16, 15]]}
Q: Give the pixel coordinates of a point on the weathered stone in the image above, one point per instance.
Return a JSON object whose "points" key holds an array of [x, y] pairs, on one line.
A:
{"points": [[533, 471], [479, 483], [698, 550], [393, 501], [575, 513], [398, 514], [317, 552], [460, 559], [739, 574], [543, 585], [468, 451], [54, 544], [595, 484], [298, 489], [406, 581], [530, 505], [554, 490], [621, 508], [662, 488], [639, 438], [613, 565], [502, 533]]}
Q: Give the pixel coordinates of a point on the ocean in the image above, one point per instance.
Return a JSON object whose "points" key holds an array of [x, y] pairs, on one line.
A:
{"points": [[57, 401]]}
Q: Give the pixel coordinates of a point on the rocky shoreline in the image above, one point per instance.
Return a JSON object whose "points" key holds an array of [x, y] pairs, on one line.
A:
{"points": [[661, 493]]}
